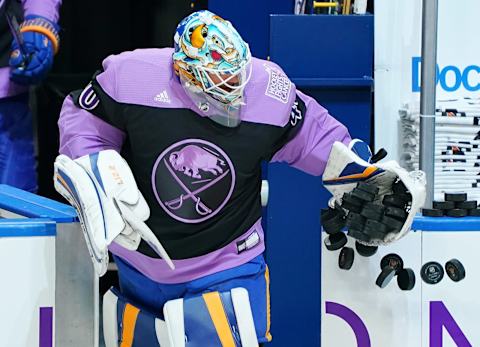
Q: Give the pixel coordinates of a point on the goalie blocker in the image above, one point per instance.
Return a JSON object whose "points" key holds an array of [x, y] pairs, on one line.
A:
{"points": [[110, 207], [348, 166]]}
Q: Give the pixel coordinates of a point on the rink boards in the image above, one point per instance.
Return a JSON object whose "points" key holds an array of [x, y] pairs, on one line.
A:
{"points": [[356, 312], [49, 291]]}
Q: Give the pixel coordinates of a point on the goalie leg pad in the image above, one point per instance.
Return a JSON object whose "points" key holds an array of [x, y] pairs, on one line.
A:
{"points": [[253, 276], [125, 325], [214, 319]]}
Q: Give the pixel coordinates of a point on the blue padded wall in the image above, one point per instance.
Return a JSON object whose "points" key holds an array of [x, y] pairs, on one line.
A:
{"points": [[331, 59], [251, 19]]}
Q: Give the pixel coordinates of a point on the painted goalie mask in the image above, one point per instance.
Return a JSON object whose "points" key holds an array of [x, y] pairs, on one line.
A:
{"points": [[213, 64]]}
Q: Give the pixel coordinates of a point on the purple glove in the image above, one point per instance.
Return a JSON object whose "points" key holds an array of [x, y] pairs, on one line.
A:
{"points": [[31, 63]]}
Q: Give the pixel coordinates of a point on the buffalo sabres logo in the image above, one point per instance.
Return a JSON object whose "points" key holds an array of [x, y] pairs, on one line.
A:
{"points": [[88, 100], [193, 180]]}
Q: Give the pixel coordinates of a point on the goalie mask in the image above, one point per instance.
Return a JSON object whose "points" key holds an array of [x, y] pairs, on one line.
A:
{"points": [[213, 64]]}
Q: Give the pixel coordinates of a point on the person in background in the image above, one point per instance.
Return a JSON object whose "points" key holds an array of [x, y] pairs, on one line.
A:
{"points": [[22, 64]]}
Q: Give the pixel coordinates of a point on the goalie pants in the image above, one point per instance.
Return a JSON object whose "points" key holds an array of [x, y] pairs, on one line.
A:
{"points": [[151, 295], [17, 160]]}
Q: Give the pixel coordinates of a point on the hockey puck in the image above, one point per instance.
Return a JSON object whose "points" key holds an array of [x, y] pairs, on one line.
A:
{"points": [[396, 213], [456, 197], [363, 195], [385, 277], [374, 235], [374, 226], [406, 198], [467, 205], [455, 270], [328, 213], [399, 188], [345, 258], [392, 223], [365, 251], [430, 212], [475, 212], [432, 272], [335, 241], [351, 203], [369, 188], [392, 260], [358, 235], [406, 279], [394, 201], [456, 212], [382, 153], [373, 211], [332, 220], [355, 221], [443, 205]]}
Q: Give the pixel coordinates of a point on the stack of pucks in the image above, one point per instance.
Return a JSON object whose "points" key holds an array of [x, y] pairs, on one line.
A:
{"points": [[455, 205], [371, 217], [392, 265], [333, 222]]}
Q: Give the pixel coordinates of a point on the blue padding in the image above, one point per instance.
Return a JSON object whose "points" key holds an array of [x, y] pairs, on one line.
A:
{"points": [[27, 227], [362, 150], [232, 318], [333, 47], [34, 206], [198, 324], [446, 223], [145, 334], [94, 162]]}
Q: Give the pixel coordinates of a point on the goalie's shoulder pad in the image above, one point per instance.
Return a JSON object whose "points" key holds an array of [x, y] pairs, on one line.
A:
{"points": [[269, 95]]}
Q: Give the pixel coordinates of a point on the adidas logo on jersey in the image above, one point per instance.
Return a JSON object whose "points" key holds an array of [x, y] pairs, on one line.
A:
{"points": [[162, 97]]}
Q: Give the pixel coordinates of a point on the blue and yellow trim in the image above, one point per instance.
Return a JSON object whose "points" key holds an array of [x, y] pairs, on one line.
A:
{"points": [[129, 320], [268, 336], [219, 318], [365, 174]]}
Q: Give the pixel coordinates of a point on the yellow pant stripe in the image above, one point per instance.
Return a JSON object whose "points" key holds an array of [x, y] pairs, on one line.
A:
{"points": [[219, 318], [267, 283], [130, 315]]}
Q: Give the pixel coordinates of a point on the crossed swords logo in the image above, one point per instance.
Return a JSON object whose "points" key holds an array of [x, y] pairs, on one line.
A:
{"points": [[200, 207]]}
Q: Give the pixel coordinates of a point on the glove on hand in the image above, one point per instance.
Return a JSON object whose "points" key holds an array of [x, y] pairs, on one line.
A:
{"points": [[32, 59], [380, 200]]}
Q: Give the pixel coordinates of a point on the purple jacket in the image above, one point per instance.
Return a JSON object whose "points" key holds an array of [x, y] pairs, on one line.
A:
{"points": [[200, 180], [45, 8]]}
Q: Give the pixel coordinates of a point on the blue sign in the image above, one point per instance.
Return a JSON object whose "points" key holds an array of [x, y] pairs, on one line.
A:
{"points": [[460, 77]]}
